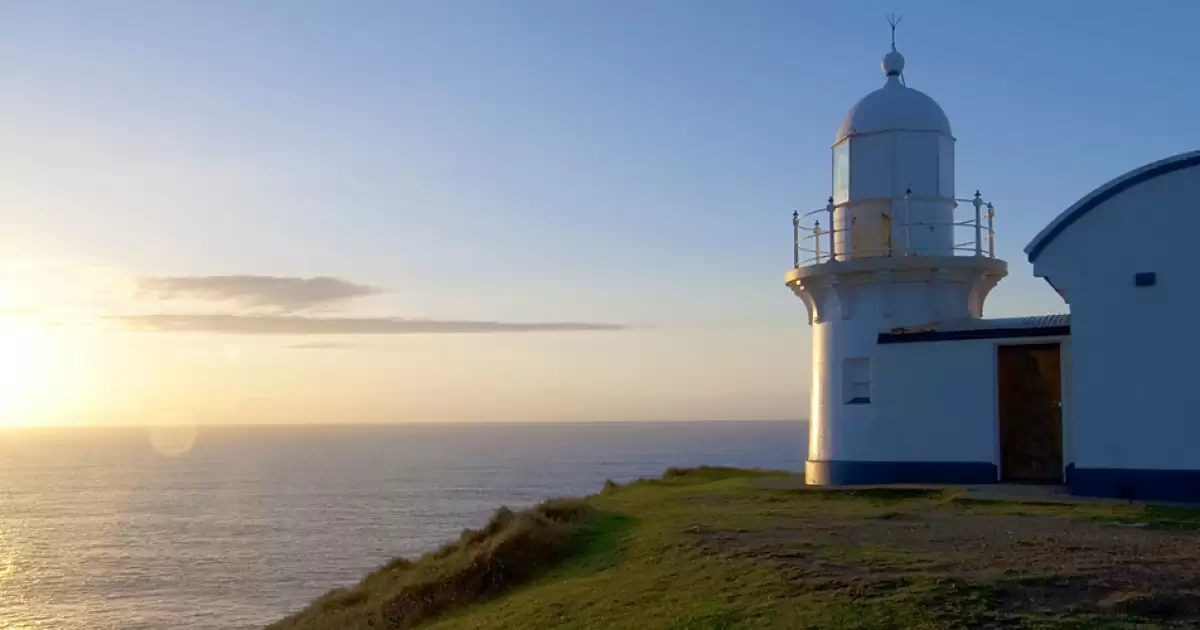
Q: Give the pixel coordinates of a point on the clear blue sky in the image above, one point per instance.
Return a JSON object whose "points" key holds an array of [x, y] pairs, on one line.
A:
{"points": [[629, 162]]}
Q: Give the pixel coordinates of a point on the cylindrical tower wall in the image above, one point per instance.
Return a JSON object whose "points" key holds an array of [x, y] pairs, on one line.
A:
{"points": [[843, 346]]}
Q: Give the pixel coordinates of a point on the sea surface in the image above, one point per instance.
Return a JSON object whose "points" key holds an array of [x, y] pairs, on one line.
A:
{"points": [[235, 527]]}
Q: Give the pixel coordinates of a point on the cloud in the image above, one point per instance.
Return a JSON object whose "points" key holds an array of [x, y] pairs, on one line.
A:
{"points": [[303, 325], [320, 345], [262, 292]]}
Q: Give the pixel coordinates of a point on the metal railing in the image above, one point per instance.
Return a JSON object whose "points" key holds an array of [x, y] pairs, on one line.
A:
{"points": [[814, 244]]}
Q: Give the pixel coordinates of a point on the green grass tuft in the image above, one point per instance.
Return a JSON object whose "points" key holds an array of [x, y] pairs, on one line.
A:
{"points": [[879, 495]]}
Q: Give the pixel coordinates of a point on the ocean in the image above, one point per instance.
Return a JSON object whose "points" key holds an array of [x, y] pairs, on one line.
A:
{"points": [[235, 527]]}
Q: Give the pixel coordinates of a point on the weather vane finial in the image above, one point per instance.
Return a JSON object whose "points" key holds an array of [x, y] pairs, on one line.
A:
{"points": [[894, 20]]}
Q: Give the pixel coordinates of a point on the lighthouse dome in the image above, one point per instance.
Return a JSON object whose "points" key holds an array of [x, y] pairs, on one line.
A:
{"points": [[894, 107]]}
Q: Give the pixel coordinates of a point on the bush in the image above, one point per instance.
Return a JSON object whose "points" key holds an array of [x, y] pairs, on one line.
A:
{"points": [[513, 548], [564, 510]]}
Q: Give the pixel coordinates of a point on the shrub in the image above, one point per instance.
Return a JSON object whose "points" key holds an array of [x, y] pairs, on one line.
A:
{"points": [[511, 549]]}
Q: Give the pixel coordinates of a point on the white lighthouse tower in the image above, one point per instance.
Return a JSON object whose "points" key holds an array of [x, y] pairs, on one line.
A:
{"points": [[886, 253]]}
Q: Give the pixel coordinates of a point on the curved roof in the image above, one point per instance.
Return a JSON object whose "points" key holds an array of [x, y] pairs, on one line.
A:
{"points": [[1104, 193], [894, 107]]}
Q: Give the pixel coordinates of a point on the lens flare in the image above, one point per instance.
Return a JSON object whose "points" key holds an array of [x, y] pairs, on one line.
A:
{"points": [[173, 440]]}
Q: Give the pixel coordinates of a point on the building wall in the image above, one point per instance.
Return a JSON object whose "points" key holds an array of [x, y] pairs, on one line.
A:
{"points": [[1134, 347], [1069, 414], [938, 400], [933, 414], [850, 331]]}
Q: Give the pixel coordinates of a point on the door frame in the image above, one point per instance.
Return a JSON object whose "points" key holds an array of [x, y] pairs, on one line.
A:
{"points": [[1061, 342]]}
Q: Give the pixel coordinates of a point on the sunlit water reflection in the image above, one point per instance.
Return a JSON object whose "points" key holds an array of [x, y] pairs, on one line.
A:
{"points": [[234, 527]]}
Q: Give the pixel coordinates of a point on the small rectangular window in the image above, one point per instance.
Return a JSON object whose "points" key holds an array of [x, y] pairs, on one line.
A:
{"points": [[841, 172], [946, 167], [856, 381]]}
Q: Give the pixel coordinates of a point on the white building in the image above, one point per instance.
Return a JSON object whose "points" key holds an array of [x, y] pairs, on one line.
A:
{"points": [[1120, 258], [911, 385]]}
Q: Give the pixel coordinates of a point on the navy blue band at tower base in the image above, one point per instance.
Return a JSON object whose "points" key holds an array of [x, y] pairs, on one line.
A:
{"points": [[1136, 484], [846, 473]]}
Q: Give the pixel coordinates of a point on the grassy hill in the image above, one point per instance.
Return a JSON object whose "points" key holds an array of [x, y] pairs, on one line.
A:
{"points": [[723, 548]]}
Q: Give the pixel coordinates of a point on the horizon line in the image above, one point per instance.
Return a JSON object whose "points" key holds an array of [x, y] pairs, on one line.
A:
{"points": [[216, 425]]}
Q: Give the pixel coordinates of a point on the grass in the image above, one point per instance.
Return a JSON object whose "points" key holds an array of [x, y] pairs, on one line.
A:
{"points": [[715, 548], [1159, 517], [511, 549]]}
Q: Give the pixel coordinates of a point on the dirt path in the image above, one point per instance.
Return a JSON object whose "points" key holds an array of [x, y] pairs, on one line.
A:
{"points": [[1049, 564]]}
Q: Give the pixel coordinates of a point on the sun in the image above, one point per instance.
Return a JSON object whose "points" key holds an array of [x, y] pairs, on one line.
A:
{"points": [[26, 371]]}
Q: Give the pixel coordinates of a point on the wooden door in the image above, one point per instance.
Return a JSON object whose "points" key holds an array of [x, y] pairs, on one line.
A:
{"points": [[1030, 413]]}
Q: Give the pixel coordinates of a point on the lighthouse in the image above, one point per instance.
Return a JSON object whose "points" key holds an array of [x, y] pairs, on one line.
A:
{"points": [[893, 250], [911, 384]]}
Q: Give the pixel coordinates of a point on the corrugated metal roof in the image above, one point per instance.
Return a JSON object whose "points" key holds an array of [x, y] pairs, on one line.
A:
{"points": [[1006, 323], [1000, 327]]}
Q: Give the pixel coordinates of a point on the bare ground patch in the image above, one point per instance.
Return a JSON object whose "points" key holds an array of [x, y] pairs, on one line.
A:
{"points": [[1017, 565]]}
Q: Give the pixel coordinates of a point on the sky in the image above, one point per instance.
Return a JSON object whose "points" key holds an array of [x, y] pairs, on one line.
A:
{"points": [[298, 211]]}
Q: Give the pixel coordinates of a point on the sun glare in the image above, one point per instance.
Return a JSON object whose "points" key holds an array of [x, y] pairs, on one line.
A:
{"points": [[26, 366]]}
